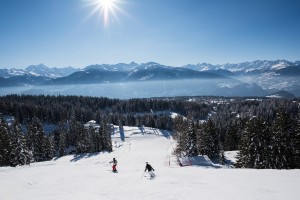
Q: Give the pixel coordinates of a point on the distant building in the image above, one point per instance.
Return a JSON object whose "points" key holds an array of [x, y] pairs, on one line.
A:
{"points": [[92, 125]]}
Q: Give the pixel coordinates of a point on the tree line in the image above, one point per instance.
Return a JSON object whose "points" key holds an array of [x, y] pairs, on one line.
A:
{"points": [[264, 140], [265, 131], [54, 109], [20, 148]]}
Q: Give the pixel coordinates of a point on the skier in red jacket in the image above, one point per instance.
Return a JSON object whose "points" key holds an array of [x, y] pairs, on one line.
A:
{"points": [[114, 166]]}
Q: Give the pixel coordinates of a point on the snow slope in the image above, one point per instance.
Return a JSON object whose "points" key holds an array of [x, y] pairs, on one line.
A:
{"points": [[89, 176]]}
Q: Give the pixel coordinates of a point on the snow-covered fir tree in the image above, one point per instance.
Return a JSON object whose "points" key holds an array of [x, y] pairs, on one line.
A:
{"points": [[296, 143], [232, 137], [95, 137], [56, 138], [255, 147], [180, 134], [5, 143], [105, 133], [209, 140], [37, 142], [20, 154], [62, 141], [191, 139], [282, 149], [49, 149], [74, 128], [83, 144]]}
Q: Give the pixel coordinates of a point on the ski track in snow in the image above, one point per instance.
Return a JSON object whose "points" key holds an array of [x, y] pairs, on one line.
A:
{"points": [[89, 176]]}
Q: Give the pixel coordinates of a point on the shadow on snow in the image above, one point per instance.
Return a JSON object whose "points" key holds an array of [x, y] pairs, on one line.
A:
{"points": [[78, 157]]}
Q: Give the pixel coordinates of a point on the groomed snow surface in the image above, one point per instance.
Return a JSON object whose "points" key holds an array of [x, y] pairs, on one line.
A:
{"points": [[89, 177]]}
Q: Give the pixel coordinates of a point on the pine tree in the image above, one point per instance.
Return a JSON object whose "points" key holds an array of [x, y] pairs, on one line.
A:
{"points": [[231, 137], [5, 143], [263, 159], [71, 126], [222, 157], [56, 138], [49, 149], [282, 149], [177, 127], [243, 158], [62, 141], [191, 139], [296, 143], [95, 140], [37, 142], [75, 134], [83, 141], [106, 136], [255, 144], [20, 154], [180, 127], [209, 140]]}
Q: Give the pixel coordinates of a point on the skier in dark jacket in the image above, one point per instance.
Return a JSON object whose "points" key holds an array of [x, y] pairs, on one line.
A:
{"points": [[150, 169], [114, 166]]}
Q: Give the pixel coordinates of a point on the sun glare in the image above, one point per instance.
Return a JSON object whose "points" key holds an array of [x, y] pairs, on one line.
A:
{"points": [[107, 4], [107, 9]]}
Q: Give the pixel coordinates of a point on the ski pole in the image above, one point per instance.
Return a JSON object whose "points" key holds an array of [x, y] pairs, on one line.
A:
{"points": [[142, 175]]}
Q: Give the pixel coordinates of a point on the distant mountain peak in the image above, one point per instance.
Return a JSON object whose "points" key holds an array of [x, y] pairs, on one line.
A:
{"points": [[258, 66], [34, 67], [112, 67]]}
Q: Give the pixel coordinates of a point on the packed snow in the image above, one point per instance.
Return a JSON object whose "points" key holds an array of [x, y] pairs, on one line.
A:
{"points": [[89, 176]]}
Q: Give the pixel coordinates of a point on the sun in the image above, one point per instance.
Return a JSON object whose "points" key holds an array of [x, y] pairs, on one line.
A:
{"points": [[107, 9], [106, 4]]}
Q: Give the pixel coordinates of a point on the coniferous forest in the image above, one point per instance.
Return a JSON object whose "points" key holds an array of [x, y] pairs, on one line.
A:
{"points": [[265, 131]]}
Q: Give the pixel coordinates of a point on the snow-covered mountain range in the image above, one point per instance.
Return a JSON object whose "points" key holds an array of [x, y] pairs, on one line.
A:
{"points": [[38, 70], [131, 72], [258, 66], [272, 76], [263, 77]]}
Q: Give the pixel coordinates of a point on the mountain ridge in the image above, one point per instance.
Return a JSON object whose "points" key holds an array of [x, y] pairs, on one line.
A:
{"points": [[38, 70], [263, 76], [245, 67]]}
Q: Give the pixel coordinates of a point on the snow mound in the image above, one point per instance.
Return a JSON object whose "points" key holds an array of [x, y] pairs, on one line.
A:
{"points": [[201, 160]]}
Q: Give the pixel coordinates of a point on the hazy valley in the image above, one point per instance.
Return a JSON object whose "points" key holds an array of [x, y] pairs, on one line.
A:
{"points": [[258, 78]]}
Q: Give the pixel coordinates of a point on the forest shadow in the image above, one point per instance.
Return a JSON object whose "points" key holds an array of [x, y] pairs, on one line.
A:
{"points": [[78, 157], [142, 129], [166, 134], [122, 135]]}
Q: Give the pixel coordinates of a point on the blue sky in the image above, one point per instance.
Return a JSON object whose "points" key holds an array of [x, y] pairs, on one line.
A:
{"points": [[63, 33]]}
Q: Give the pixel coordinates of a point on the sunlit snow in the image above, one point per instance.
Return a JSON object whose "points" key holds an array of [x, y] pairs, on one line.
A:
{"points": [[89, 176]]}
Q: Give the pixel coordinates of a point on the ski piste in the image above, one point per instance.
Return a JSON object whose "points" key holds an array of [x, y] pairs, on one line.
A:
{"points": [[87, 176]]}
